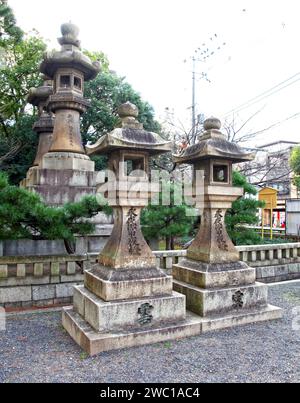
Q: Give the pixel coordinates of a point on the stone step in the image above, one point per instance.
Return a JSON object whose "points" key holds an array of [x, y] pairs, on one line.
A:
{"points": [[129, 286], [240, 318], [103, 315], [95, 342], [238, 274], [206, 302]]}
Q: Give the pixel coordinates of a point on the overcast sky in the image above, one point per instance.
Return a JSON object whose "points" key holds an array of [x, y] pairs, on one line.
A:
{"points": [[148, 41]]}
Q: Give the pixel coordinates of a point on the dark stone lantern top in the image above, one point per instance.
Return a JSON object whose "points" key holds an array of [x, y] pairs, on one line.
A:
{"points": [[129, 145], [213, 157], [213, 150], [68, 68], [44, 125], [130, 135], [70, 56]]}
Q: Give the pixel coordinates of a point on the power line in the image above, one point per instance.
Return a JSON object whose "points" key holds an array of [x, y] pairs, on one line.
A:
{"points": [[201, 54], [273, 90], [294, 116], [268, 95]]}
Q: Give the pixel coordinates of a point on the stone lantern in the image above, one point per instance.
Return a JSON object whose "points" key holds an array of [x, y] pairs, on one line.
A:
{"points": [[129, 148], [218, 286], [44, 126], [69, 68], [126, 299], [64, 172]]}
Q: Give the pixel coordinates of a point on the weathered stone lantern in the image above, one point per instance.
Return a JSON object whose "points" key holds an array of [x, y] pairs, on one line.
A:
{"points": [[64, 172], [126, 300], [44, 125], [69, 68], [217, 285], [129, 148]]}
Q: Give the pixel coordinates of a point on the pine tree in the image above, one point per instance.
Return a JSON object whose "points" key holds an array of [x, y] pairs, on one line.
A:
{"points": [[8, 26], [20, 57], [244, 212], [24, 215], [167, 222]]}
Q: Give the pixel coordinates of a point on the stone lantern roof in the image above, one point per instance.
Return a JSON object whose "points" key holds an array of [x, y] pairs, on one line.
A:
{"points": [[69, 55], [213, 144], [130, 135], [39, 95]]}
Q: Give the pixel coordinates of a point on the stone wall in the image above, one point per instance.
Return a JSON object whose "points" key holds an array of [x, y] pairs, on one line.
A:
{"points": [[27, 247], [276, 262], [40, 280], [27, 281]]}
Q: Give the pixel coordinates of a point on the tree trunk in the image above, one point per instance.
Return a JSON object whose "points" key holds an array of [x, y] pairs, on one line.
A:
{"points": [[70, 246], [168, 243], [172, 243]]}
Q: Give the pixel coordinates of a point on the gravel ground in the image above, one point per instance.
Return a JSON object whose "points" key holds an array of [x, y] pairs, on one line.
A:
{"points": [[35, 348]]}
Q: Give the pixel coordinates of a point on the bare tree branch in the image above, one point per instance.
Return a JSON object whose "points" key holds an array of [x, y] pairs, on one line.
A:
{"points": [[14, 150]]}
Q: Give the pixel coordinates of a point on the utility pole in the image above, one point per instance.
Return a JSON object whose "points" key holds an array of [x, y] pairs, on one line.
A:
{"points": [[201, 54], [194, 97]]}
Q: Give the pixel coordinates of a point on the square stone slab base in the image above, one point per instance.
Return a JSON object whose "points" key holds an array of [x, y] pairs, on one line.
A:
{"points": [[95, 342], [240, 317]]}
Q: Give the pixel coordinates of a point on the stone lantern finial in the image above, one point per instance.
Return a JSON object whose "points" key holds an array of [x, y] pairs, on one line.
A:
{"points": [[70, 34], [212, 128], [212, 123], [128, 109], [128, 113]]}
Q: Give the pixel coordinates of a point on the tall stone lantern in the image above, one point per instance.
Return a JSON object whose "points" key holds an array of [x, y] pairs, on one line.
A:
{"points": [[126, 299], [218, 286], [44, 125], [64, 172], [69, 68]]}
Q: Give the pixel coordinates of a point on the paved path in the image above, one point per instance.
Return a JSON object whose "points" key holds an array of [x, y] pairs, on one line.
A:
{"points": [[35, 348]]}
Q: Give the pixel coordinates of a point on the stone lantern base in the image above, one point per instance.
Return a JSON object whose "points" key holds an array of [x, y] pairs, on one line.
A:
{"points": [[94, 342], [224, 295], [66, 178], [129, 313]]}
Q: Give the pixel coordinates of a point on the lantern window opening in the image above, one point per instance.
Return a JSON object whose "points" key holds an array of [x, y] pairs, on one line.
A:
{"points": [[220, 173], [65, 81], [134, 164], [77, 83]]}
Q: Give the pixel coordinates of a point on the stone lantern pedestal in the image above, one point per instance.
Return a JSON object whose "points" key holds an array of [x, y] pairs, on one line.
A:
{"points": [[217, 286], [126, 300]]}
